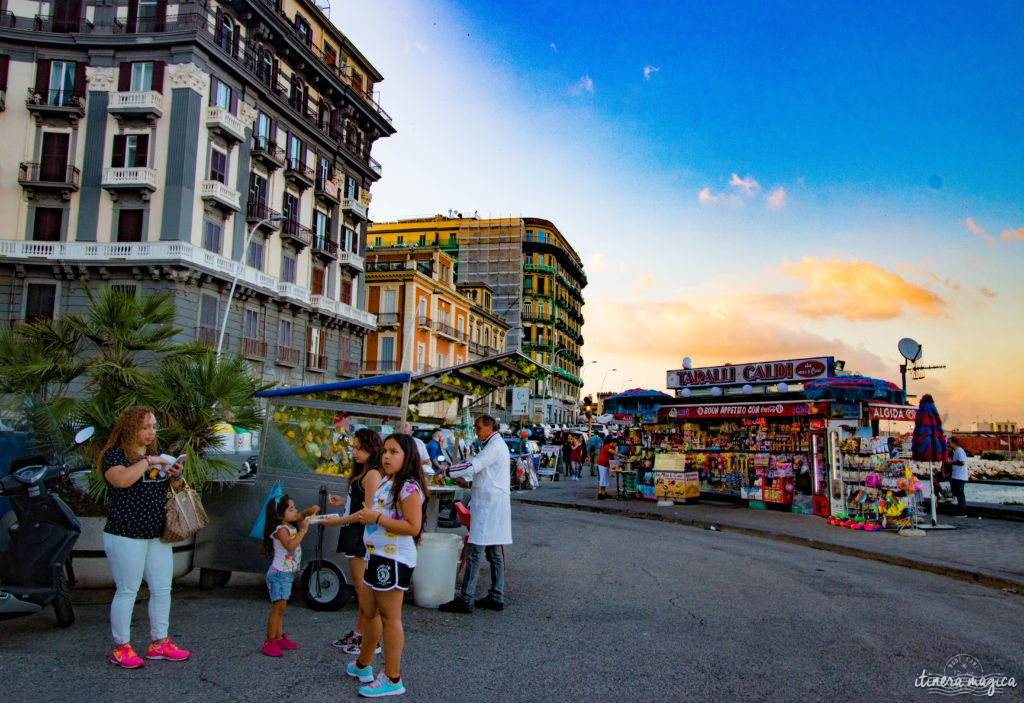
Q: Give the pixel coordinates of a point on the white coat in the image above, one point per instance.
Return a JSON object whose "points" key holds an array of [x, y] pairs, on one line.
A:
{"points": [[491, 506]]}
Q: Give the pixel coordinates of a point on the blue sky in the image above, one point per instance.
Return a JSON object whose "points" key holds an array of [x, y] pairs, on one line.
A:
{"points": [[744, 181]]}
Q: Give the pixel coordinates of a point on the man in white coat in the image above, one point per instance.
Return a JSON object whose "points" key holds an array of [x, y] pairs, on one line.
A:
{"points": [[490, 526]]}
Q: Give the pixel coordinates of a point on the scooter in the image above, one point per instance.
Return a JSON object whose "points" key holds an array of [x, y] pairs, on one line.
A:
{"points": [[35, 569]]}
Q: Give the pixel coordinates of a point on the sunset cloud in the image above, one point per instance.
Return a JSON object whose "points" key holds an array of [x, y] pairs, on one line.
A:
{"points": [[973, 227], [988, 293], [583, 85], [597, 264], [858, 290], [776, 199], [708, 198], [989, 239], [1009, 236], [649, 71], [747, 185]]}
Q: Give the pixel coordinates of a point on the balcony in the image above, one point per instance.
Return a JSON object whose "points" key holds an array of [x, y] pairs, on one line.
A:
{"points": [[257, 212], [449, 332], [327, 190], [537, 317], [355, 207], [316, 362], [424, 323], [224, 123], [253, 348], [220, 194], [349, 369], [288, 356], [324, 246], [49, 177], [46, 23], [133, 178], [376, 367], [298, 234], [324, 304], [209, 336], [387, 319], [298, 174], [353, 261], [56, 104], [267, 152], [293, 292], [538, 268], [147, 104]]}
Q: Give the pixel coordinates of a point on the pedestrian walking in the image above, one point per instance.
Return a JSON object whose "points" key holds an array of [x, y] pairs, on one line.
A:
{"points": [[960, 476], [137, 483], [490, 525], [393, 522], [283, 531], [594, 445], [575, 456]]}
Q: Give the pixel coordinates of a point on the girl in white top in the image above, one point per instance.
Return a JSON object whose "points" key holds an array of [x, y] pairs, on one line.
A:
{"points": [[394, 521], [282, 536]]}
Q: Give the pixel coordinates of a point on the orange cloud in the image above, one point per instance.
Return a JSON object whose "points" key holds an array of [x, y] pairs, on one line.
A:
{"points": [[858, 290], [973, 227], [1009, 236], [988, 293]]}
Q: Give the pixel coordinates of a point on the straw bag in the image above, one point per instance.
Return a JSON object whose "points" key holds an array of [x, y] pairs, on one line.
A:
{"points": [[184, 513]]}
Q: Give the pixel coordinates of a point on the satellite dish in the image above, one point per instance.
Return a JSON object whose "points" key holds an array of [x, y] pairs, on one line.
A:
{"points": [[910, 349]]}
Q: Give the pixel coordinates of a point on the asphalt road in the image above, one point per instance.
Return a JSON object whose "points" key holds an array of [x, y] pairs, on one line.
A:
{"points": [[600, 608]]}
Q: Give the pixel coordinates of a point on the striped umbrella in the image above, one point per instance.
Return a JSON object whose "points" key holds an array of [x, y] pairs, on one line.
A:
{"points": [[929, 439]]}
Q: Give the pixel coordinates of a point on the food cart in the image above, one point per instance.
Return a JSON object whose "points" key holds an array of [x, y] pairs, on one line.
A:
{"points": [[305, 444]]}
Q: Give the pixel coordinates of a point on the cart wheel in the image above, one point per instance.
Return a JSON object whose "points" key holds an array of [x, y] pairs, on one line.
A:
{"points": [[212, 578], [324, 587], [62, 601]]}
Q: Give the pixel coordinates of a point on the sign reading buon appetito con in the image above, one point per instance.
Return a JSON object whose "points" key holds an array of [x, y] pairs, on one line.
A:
{"points": [[762, 372]]}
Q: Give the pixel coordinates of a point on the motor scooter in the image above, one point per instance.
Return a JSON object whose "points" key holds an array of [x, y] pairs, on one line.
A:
{"points": [[35, 568]]}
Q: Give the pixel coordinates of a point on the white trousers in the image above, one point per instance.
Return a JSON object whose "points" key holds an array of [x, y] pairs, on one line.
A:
{"points": [[130, 560], [602, 476]]}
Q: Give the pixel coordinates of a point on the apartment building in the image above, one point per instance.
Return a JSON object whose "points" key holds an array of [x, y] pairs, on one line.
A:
{"points": [[181, 146], [535, 281]]}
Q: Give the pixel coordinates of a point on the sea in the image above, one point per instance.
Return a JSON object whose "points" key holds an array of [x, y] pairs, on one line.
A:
{"points": [[993, 493]]}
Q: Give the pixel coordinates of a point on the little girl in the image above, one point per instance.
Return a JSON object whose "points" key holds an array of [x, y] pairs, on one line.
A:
{"points": [[282, 535], [393, 523]]}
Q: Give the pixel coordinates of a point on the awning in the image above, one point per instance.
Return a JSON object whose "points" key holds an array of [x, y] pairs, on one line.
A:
{"points": [[723, 410]]}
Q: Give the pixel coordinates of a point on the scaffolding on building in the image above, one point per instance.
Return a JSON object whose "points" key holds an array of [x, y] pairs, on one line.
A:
{"points": [[491, 252]]}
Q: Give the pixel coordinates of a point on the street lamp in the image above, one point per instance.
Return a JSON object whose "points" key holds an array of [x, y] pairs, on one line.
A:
{"points": [[551, 370], [234, 281], [601, 387], [624, 384]]}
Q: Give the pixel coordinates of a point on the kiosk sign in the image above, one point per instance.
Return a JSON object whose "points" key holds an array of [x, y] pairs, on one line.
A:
{"points": [[763, 372]]}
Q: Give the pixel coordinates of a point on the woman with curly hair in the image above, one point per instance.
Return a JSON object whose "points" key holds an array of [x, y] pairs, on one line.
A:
{"points": [[137, 481]]}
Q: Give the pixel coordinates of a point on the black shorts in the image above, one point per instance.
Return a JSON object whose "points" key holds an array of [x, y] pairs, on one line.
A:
{"points": [[383, 574], [350, 542]]}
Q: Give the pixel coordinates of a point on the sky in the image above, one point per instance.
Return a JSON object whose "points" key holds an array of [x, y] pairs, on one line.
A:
{"points": [[744, 181]]}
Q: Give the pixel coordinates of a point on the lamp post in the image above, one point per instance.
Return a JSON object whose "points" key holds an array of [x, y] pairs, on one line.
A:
{"points": [[624, 384], [601, 387], [234, 281], [551, 370]]}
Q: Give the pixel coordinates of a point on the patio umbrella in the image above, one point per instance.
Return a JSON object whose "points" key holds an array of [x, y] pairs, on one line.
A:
{"points": [[929, 442]]}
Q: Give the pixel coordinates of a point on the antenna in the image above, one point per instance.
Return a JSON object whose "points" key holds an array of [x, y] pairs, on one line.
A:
{"points": [[912, 353]]}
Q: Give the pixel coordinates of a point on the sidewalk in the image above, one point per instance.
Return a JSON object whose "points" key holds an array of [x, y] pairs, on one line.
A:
{"points": [[984, 550]]}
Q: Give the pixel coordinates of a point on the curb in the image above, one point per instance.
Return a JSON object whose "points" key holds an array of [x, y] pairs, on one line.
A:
{"points": [[1005, 585]]}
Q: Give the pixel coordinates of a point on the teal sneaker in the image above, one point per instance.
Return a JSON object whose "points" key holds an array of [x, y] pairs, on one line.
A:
{"points": [[365, 675], [381, 687]]}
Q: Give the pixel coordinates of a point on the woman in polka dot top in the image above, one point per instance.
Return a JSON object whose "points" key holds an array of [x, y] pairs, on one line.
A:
{"points": [[137, 483]]}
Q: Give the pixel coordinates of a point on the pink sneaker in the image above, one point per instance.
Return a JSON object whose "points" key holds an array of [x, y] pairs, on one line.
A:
{"points": [[271, 648], [284, 643], [125, 656], [165, 649]]}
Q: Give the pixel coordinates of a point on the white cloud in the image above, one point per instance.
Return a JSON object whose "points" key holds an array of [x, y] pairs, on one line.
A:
{"points": [[649, 71], [776, 199], [642, 285], [597, 264], [554, 48], [583, 85], [748, 186], [706, 197], [973, 227]]}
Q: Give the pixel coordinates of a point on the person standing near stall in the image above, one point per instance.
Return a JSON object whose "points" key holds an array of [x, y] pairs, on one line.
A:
{"points": [[960, 476], [490, 524], [593, 451], [604, 461]]}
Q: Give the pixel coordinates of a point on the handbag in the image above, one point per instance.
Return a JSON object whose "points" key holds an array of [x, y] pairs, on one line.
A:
{"points": [[184, 515]]}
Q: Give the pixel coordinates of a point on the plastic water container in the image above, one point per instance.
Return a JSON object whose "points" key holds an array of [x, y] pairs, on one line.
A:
{"points": [[437, 562]]}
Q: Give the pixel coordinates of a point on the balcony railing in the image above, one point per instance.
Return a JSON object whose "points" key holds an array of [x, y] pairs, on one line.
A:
{"points": [[374, 367], [49, 174], [348, 368], [268, 152], [316, 362], [210, 335], [257, 211], [325, 245], [129, 178], [254, 348], [144, 102], [298, 173], [448, 331], [355, 206], [387, 319], [424, 322], [298, 233], [326, 188], [347, 258], [290, 290], [229, 126], [288, 356], [221, 194]]}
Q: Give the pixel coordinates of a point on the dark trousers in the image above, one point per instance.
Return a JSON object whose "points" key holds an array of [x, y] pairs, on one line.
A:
{"points": [[958, 491]]}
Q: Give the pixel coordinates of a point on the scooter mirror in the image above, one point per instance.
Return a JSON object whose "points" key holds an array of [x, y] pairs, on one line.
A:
{"points": [[84, 434]]}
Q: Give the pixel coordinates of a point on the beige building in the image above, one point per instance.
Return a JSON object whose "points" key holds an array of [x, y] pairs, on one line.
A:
{"points": [[148, 143]]}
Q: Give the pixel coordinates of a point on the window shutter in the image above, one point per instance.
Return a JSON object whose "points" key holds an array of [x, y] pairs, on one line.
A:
{"points": [[79, 89], [142, 151], [158, 76], [234, 102], [273, 79], [5, 63], [237, 40], [43, 77], [124, 76], [133, 16], [213, 90], [161, 16], [218, 32], [273, 132], [129, 225], [117, 159]]}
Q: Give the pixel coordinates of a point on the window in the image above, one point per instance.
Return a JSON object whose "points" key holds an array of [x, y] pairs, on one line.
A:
{"points": [[149, 16], [262, 127], [324, 172], [351, 188], [423, 240], [291, 211], [461, 326], [528, 283], [258, 195], [296, 152], [256, 254], [421, 309], [218, 166], [47, 224], [376, 241], [401, 240], [212, 237], [321, 228], [220, 94], [142, 77], [346, 291], [528, 309], [62, 82], [387, 352], [330, 55], [129, 225], [284, 333], [387, 301], [299, 95], [315, 347], [266, 67], [317, 280], [130, 151], [209, 313], [343, 348], [251, 325], [452, 240], [40, 301], [352, 241], [420, 354], [225, 33], [288, 268], [304, 30]]}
